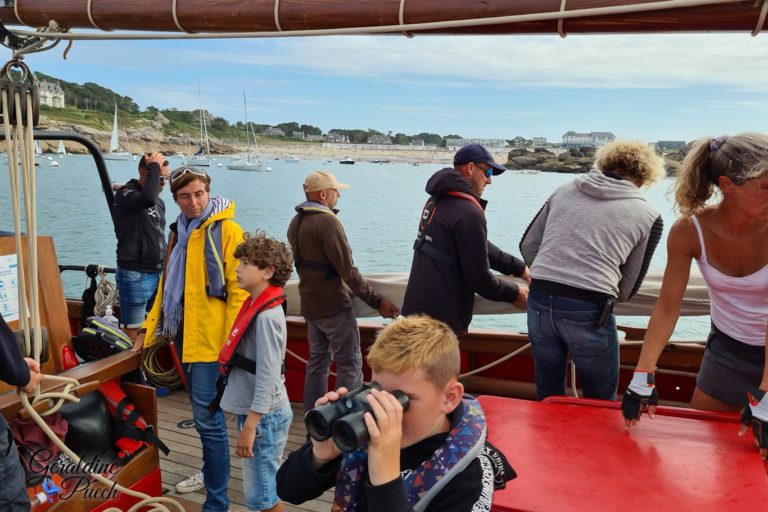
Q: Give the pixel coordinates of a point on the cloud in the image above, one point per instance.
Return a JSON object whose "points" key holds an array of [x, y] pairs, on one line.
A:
{"points": [[609, 61]]}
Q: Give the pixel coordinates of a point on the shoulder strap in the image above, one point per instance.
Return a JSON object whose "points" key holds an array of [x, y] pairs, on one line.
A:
{"points": [[330, 270], [701, 237], [214, 261], [421, 243]]}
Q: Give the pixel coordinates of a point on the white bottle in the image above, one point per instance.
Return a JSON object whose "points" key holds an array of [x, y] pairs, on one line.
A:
{"points": [[109, 317]]}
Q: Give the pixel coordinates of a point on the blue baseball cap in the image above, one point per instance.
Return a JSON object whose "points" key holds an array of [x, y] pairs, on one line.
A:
{"points": [[477, 153]]}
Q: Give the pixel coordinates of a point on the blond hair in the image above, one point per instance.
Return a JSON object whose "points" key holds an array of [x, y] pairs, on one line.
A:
{"points": [[739, 158], [634, 160], [414, 342], [264, 252]]}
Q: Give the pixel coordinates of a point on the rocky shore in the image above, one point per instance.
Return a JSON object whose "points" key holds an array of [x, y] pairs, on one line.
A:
{"points": [[572, 160]]}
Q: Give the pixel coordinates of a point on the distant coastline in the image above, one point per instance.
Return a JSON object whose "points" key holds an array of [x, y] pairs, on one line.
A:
{"points": [[150, 138]]}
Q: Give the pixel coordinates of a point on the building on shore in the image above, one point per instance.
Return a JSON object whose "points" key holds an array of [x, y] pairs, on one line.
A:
{"points": [[573, 139], [668, 146], [539, 142], [454, 144], [51, 94], [271, 130]]}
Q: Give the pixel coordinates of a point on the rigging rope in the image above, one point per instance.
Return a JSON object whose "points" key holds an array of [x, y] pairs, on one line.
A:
{"points": [[401, 27], [761, 19], [19, 140]]}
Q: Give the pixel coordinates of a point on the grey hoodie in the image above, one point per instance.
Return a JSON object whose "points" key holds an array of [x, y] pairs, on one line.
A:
{"points": [[595, 233]]}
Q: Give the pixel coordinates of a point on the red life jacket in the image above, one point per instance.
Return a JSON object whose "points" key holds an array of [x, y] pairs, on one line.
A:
{"points": [[229, 358], [131, 429]]}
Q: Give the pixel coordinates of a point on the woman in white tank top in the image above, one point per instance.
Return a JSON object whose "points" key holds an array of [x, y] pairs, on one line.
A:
{"points": [[729, 241]]}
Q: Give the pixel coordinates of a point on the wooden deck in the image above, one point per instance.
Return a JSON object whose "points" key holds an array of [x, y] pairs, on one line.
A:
{"points": [[186, 453]]}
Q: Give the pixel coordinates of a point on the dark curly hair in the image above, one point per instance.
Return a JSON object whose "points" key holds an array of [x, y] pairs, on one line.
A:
{"points": [[264, 252]]}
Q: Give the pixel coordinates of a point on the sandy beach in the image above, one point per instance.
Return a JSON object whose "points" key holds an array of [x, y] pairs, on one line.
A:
{"points": [[362, 153]]}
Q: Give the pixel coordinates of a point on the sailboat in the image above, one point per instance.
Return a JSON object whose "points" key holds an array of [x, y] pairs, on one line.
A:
{"points": [[247, 163], [61, 150], [114, 144], [202, 158]]}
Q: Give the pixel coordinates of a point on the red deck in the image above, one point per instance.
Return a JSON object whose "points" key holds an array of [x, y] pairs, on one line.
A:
{"points": [[571, 457]]}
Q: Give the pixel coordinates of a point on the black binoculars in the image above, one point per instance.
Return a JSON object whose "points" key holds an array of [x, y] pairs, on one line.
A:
{"points": [[343, 419]]}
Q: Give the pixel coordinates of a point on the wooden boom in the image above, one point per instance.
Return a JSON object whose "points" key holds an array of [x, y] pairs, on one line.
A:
{"points": [[228, 16]]}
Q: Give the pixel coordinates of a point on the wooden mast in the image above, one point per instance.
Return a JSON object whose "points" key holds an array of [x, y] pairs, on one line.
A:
{"points": [[223, 16]]}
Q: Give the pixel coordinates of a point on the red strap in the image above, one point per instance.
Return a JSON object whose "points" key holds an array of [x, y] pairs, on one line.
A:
{"points": [[271, 297], [468, 197]]}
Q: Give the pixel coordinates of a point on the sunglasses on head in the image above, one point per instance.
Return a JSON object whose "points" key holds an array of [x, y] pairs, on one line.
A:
{"points": [[178, 173]]}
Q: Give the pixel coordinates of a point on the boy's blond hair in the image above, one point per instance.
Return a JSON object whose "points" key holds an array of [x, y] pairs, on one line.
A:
{"points": [[417, 341], [264, 252]]}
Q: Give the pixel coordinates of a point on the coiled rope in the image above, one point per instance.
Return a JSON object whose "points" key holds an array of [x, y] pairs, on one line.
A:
{"points": [[166, 377], [106, 293]]}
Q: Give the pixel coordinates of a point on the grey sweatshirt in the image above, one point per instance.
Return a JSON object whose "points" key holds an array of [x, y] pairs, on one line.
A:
{"points": [[595, 233], [264, 342]]}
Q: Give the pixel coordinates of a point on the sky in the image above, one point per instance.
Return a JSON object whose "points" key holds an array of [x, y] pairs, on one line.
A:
{"points": [[659, 87]]}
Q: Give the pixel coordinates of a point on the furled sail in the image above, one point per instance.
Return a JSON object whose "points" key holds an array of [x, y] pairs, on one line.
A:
{"points": [[467, 16]]}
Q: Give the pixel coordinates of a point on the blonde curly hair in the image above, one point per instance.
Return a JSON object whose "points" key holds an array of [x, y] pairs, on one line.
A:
{"points": [[634, 160]]}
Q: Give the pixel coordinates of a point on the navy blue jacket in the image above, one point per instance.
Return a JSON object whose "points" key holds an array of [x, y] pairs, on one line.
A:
{"points": [[13, 368], [444, 287]]}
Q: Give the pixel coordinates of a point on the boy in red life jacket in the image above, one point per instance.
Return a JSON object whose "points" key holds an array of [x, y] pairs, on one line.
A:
{"points": [[252, 367], [432, 457]]}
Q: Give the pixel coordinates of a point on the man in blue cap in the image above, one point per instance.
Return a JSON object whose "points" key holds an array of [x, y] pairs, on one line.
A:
{"points": [[452, 257]]}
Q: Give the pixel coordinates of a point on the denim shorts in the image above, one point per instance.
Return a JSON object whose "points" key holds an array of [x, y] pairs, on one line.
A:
{"points": [[136, 291], [260, 471]]}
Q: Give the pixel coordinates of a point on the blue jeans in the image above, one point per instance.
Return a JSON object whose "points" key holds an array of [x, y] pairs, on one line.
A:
{"points": [[136, 291], [558, 325], [212, 429], [260, 471]]}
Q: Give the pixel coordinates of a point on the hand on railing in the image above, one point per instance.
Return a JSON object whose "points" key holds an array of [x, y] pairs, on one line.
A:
{"points": [[755, 415], [641, 395]]}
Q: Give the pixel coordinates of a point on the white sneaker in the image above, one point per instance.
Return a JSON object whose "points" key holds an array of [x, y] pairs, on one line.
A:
{"points": [[191, 484]]}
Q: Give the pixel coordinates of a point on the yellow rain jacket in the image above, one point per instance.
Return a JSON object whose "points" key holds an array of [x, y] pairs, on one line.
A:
{"points": [[207, 320]]}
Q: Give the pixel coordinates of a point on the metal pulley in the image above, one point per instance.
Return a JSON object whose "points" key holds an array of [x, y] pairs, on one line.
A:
{"points": [[15, 77]]}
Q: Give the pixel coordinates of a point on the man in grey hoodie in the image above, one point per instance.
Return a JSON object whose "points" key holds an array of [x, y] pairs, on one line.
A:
{"points": [[589, 247]]}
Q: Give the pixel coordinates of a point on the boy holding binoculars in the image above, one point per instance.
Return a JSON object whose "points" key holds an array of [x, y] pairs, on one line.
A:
{"points": [[431, 457]]}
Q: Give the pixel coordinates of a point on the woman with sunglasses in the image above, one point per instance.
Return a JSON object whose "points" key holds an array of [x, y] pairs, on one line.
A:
{"points": [[196, 306], [729, 241], [589, 246], [138, 213]]}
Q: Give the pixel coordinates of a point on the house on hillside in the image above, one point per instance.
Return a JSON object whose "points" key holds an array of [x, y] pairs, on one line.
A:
{"points": [[271, 130], [51, 94]]}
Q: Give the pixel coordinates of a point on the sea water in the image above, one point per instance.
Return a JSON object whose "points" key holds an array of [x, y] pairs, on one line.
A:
{"points": [[380, 213]]}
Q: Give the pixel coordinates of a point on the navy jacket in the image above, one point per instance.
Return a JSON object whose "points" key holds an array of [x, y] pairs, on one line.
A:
{"points": [[13, 368], [443, 284]]}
